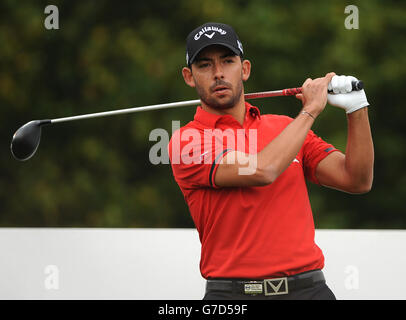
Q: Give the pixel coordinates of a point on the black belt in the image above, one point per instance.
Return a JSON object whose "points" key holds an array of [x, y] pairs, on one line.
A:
{"points": [[267, 287]]}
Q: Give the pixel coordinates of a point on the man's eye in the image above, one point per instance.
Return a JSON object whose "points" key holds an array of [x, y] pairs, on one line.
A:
{"points": [[203, 65], [229, 60]]}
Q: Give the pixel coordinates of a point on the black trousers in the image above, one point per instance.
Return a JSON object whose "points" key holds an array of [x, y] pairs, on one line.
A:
{"points": [[319, 291]]}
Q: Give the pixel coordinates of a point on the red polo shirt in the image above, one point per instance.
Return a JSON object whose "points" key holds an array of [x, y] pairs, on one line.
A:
{"points": [[247, 232]]}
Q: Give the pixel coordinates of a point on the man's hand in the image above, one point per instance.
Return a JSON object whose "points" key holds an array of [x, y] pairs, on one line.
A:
{"points": [[314, 94], [343, 96]]}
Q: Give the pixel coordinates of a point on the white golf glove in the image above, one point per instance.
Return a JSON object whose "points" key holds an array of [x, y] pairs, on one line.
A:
{"points": [[343, 96]]}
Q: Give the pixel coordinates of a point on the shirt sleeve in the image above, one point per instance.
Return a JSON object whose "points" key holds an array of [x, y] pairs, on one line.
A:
{"points": [[195, 156], [315, 149]]}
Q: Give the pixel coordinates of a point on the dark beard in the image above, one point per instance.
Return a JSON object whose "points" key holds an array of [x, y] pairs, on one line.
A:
{"points": [[215, 103]]}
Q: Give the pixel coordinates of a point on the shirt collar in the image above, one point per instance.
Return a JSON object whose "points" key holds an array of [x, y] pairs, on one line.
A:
{"points": [[210, 119]]}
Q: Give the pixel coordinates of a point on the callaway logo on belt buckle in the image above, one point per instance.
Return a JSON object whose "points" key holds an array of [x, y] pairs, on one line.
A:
{"points": [[276, 286]]}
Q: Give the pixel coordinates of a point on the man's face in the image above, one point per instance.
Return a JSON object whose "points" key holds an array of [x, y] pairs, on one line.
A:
{"points": [[218, 74]]}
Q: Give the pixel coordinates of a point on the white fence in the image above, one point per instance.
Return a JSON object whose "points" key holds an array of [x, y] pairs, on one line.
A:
{"points": [[65, 263]]}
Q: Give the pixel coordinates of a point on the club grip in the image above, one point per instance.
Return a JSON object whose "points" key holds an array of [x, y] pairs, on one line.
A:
{"points": [[291, 91], [357, 85]]}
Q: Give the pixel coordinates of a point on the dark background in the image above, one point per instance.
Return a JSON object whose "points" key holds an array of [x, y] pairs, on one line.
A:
{"points": [[110, 55]]}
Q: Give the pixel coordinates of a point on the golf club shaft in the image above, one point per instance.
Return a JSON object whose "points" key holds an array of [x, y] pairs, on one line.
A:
{"points": [[356, 85], [129, 110], [162, 106]]}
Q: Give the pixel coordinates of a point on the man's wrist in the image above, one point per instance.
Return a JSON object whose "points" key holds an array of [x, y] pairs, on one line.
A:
{"points": [[308, 114], [313, 109], [359, 113], [353, 109]]}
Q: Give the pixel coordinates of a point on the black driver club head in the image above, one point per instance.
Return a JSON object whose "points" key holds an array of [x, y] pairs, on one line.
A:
{"points": [[26, 139]]}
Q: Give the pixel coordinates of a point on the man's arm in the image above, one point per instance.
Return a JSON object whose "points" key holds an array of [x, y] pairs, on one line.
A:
{"points": [[275, 157], [352, 172], [267, 164]]}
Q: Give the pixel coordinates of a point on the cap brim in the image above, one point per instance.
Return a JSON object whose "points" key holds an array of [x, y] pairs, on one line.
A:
{"points": [[236, 51]]}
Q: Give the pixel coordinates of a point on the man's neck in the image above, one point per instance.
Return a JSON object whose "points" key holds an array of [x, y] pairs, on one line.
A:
{"points": [[237, 111]]}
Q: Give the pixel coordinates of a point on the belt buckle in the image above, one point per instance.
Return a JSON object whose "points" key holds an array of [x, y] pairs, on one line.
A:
{"points": [[276, 286], [253, 287]]}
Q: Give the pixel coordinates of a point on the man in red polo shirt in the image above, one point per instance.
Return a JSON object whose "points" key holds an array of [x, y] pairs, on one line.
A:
{"points": [[243, 173]]}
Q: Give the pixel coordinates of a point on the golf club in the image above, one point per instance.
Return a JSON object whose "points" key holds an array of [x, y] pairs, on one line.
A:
{"points": [[26, 139]]}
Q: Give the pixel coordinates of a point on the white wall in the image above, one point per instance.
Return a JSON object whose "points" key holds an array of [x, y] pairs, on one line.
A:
{"points": [[45, 263]]}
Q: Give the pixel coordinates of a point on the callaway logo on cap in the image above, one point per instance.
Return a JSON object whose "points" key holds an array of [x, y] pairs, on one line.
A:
{"points": [[208, 34]]}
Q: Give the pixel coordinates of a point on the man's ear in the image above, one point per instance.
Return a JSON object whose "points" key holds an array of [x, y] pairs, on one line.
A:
{"points": [[246, 70], [188, 77]]}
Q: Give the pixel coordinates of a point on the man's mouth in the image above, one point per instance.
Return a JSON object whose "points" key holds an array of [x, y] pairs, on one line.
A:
{"points": [[220, 89]]}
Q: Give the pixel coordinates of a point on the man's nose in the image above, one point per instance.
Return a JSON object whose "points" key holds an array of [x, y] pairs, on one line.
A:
{"points": [[218, 71]]}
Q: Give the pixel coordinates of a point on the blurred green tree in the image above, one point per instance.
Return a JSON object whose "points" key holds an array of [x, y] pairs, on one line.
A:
{"points": [[107, 55]]}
